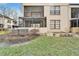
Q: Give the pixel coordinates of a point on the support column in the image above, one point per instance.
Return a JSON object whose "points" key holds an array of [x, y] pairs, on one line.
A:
{"points": [[19, 22], [77, 22], [24, 22], [32, 22]]}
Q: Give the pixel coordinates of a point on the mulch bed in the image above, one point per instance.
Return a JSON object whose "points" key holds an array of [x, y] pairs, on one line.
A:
{"points": [[13, 38]]}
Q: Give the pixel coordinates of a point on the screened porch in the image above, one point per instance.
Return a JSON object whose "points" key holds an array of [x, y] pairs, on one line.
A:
{"points": [[32, 22]]}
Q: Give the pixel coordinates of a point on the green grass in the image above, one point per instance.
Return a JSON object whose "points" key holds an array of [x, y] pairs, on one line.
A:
{"points": [[45, 45], [4, 32]]}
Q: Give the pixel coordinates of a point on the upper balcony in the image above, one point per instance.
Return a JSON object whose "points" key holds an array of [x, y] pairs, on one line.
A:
{"points": [[33, 11], [33, 17]]}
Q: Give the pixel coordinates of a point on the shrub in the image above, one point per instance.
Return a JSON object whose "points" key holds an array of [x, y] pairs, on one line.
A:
{"points": [[66, 34], [34, 32]]}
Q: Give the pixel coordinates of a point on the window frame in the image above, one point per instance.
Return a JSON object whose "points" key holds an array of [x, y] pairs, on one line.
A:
{"points": [[29, 11], [74, 23], [54, 24], [54, 10], [74, 12]]}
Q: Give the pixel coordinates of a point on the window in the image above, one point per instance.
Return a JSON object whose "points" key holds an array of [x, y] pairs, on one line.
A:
{"points": [[75, 23], [9, 26], [74, 12], [54, 24], [36, 14], [8, 21], [33, 14], [55, 10], [35, 22], [35, 25], [1, 25], [34, 11]]}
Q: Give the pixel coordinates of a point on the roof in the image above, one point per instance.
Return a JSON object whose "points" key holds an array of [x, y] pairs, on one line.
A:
{"points": [[31, 17], [5, 16], [42, 4], [74, 4]]}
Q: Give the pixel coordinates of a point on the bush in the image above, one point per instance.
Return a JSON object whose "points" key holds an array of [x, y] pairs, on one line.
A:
{"points": [[34, 32], [66, 34]]}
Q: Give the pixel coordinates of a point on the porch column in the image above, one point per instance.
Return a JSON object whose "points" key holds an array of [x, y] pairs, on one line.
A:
{"points": [[77, 22], [32, 22], [19, 22], [43, 22], [24, 22]]}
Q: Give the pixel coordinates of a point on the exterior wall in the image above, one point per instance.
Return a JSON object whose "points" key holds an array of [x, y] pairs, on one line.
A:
{"points": [[75, 29], [64, 17], [1, 20], [5, 22], [41, 30], [8, 24]]}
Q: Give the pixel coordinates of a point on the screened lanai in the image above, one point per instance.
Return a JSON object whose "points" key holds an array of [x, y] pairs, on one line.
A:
{"points": [[33, 17], [74, 22], [74, 17], [32, 22]]}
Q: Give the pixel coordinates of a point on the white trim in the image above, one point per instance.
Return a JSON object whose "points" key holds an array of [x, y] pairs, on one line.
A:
{"points": [[73, 6]]}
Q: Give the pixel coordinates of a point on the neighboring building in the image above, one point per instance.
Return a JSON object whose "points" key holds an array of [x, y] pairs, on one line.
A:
{"points": [[52, 17], [6, 22]]}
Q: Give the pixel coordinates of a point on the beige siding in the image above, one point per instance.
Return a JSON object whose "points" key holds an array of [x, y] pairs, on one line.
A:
{"points": [[64, 17]]}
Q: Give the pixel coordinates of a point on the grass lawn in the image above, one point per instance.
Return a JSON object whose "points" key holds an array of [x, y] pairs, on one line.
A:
{"points": [[4, 32], [45, 45]]}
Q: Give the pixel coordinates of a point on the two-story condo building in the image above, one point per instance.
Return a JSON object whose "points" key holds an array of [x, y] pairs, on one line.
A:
{"points": [[49, 18], [6, 22]]}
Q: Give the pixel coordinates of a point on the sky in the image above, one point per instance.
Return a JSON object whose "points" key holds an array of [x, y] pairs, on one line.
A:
{"points": [[16, 6]]}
